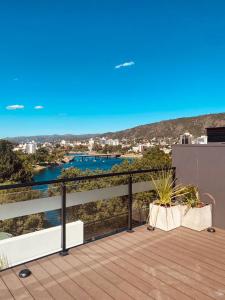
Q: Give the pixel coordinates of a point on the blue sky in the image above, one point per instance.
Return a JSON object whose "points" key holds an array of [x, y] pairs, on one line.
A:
{"points": [[62, 55]]}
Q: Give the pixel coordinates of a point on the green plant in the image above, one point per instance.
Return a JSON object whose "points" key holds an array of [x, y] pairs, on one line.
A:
{"points": [[192, 197], [3, 262], [166, 190]]}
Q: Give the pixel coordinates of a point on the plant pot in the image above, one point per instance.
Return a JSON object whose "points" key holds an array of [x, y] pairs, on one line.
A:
{"points": [[197, 218], [164, 218]]}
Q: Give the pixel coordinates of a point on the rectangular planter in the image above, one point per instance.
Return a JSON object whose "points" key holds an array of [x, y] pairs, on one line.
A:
{"points": [[164, 218], [29, 246], [197, 218]]}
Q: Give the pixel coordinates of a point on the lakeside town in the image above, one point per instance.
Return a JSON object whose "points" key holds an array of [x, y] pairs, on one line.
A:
{"points": [[58, 152], [125, 146]]}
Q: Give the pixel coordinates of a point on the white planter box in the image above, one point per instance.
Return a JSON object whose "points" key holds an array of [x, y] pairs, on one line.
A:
{"points": [[197, 218], [165, 218], [26, 247]]}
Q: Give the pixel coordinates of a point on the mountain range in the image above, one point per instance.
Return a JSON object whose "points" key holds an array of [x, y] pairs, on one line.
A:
{"points": [[163, 129]]}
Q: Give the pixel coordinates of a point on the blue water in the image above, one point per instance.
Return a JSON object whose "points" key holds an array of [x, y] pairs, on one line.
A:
{"points": [[89, 163]]}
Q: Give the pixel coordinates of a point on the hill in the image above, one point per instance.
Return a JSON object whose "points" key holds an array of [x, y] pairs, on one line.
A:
{"points": [[172, 128], [169, 128], [50, 138]]}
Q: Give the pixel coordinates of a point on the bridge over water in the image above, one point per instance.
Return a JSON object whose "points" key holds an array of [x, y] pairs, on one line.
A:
{"points": [[107, 156]]}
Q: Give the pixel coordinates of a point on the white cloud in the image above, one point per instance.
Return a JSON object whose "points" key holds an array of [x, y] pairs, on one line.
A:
{"points": [[38, 107], [125, 64], [14, 107]]}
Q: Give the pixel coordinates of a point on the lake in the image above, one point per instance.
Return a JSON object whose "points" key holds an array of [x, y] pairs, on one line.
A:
{"points": [[90, 163]]}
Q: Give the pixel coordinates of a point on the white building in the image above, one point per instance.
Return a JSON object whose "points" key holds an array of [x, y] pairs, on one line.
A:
{"points": [[20, 147], [186, 138], [91, 144], [112, 142], [139, 148], [77, 143], [115, 142], [103, 141], [135, 149], [109, 142], [203, 139], [31, 147], [63, 143]]}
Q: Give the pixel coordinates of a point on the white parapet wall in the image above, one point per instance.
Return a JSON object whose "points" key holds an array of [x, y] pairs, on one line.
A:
{"points": [[26, 247]]}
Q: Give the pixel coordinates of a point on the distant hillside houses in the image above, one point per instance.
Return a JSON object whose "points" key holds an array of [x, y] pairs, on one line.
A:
{"points": [[188, 138], [29, 148]]}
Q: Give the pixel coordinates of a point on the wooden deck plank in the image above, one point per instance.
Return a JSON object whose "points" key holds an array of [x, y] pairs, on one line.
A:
{"points": [[63, 279], [102, 282], [79, 273], [150, 275], [183, 263], [212, 246], [100, 266], [194, 253], [161, 271], [14, 285], [32, 285], [49, 283], [207, 273], [4, 292], [70, 268], [212, 258], [186, 247], [180, 264], [200, 290], [109, 262]]}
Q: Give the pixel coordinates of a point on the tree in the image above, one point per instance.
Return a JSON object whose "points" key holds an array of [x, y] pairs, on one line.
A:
{"points": [[42, 155], [22, 225], [12, 167], [156, 158], [96, 147]]}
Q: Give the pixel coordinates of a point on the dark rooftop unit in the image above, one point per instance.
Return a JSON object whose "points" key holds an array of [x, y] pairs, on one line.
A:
{"points": [[216, 134]]}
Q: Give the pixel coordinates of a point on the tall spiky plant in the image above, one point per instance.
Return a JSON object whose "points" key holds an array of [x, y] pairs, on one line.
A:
{"points": [[166, 190], [167, 195]]}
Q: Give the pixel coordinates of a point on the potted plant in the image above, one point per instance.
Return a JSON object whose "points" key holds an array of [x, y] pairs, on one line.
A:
{"points": [[196, 215], [164, 212]]}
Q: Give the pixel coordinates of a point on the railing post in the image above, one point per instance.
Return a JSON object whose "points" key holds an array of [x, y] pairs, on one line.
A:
{"points": [[64, 251], [174, 180], [174, 177], [130, 204]]}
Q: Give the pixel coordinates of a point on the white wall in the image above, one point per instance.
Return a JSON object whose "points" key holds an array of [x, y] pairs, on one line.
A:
{"points": [[33, 245]]}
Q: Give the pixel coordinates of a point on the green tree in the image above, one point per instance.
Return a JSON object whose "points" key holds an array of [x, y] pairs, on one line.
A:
{"points": [[41, 155], [96, 147], [12, 168]]}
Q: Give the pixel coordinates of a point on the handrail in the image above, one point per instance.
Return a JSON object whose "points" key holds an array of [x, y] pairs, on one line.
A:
{"points": [[22, 208], [79, 178], [65, 199]]}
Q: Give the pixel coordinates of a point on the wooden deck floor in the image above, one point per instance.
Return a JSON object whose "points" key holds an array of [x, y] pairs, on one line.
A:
{"points": [[181, 264]]}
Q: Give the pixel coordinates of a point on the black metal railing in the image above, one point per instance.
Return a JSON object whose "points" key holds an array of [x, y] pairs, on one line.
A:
{"points": [[63, 181]]}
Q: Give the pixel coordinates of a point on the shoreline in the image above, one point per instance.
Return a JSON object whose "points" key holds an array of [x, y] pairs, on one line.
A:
{"points": [[38, 168], [67, 159], [131, 155]]}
